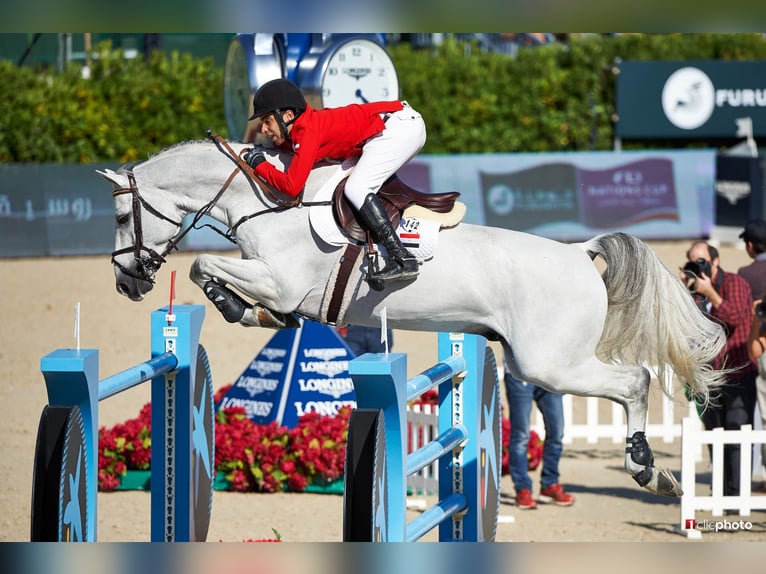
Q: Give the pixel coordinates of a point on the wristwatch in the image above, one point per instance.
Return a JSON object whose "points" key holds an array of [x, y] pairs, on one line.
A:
{"points": [[251, 61], [349, 70]]}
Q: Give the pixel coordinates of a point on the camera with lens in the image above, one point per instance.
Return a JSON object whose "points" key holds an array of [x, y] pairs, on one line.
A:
{"points": [[695, 269], [760, 310]]}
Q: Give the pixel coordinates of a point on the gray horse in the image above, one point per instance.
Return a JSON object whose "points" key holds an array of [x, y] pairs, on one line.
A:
{"points": [[562, 323]]}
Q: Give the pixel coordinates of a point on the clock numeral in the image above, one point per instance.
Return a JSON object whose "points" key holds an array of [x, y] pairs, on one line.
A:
{"points": [[356, 52], [333, 71]]}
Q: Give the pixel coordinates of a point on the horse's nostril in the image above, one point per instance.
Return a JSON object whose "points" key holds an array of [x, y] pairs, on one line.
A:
{"points": [[122, 288]]}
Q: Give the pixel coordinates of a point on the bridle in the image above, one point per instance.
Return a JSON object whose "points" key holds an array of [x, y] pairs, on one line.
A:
{"points": [[148, 264]]}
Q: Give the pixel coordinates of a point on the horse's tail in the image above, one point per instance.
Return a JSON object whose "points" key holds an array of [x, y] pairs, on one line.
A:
{"points": [[652, 319]]}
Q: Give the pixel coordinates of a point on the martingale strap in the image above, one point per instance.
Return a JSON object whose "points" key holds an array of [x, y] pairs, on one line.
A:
{"points": [[341, 285]]}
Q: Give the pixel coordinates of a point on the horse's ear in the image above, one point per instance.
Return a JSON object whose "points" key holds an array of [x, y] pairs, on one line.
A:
{"points": [[116, 179]]}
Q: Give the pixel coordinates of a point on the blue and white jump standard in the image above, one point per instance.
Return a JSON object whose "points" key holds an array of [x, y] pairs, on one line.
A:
{"points": [[468, 445], [64, 497]]}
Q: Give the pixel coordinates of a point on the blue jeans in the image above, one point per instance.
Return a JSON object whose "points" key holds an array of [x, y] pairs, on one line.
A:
{"points": [[520, 396], [363, 339]]}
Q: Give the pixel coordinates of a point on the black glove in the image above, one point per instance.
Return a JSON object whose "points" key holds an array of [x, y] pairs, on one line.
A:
{"points": [[254, 157]]}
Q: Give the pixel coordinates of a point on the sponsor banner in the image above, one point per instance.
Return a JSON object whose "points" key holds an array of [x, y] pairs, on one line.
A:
{"points": [[691, 99], [739, 191], [298, 371], [68, 210], [653, 195], [54, 210]]}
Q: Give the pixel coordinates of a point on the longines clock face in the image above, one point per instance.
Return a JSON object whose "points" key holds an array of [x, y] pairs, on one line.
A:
{"points": [[358, 71]]}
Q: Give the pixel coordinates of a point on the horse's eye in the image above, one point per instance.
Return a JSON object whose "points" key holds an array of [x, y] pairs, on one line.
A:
{"points": [[123, 219]]}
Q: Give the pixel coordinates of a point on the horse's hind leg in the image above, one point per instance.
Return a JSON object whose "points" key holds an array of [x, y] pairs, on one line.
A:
{"points": [[628, 385]]}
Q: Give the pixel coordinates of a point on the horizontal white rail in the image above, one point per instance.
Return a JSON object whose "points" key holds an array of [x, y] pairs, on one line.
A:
{"points": [[714, 500]]}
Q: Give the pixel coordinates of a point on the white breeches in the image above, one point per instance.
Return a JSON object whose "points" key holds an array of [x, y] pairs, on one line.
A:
{"points": [[384, 153]]}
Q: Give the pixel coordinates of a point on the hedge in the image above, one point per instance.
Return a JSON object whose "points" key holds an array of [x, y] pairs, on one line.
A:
{"points": [[127, 110], [558, 97]]}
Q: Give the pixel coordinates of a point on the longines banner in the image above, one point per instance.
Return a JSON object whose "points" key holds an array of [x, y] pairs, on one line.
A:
{"points": [[690, 99]]}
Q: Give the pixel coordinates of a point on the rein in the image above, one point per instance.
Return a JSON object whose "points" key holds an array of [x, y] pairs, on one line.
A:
{"points": [[281, 204], [149, 264]]}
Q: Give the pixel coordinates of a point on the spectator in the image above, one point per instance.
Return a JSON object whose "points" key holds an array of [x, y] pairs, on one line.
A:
{"points": [[754, 236], [520, 397], [363, 340], [727, 298], [756, 348]]}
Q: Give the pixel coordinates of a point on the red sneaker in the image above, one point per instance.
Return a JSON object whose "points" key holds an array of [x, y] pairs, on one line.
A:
{"points": [[524, 500], [555, 494]]}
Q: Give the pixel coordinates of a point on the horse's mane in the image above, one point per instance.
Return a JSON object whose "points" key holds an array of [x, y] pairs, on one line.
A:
{"points": [[183, 145]]}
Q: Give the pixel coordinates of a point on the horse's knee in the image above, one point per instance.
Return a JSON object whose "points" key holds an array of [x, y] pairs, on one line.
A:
{"points": [[197, 272]]}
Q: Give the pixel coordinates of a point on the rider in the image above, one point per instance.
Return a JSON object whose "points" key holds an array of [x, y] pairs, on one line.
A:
{"points": [[384, 135]]}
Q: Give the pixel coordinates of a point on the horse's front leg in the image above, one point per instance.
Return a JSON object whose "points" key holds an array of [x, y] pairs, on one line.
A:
{"points": [[213, 274]]}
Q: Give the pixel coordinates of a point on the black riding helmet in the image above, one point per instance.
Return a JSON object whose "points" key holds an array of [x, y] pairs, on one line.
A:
{"points": [[275, 97]]}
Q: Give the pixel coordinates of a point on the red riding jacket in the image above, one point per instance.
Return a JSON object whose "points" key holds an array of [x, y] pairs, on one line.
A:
{"points": [[330, 133]]}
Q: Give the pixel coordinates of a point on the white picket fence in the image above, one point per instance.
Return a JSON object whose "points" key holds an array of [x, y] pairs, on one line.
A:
{"points": [[423, 427], [714, 501], [595, 429]]}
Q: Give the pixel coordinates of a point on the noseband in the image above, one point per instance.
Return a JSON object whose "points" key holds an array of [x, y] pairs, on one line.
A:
{"points": [[148, 264]]}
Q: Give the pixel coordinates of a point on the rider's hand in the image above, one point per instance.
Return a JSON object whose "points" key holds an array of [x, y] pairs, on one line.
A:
{"points": [[253, 157]]}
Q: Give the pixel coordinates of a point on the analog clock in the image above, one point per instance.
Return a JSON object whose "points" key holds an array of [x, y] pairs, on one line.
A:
{"points": [[351, 70], [251, 61]]}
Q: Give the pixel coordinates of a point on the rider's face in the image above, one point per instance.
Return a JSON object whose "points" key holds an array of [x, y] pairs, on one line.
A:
{"points": [[270, 127]]}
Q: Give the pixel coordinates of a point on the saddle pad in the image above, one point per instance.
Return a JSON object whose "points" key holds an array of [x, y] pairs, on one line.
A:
{"points": [[417, 234], [320, 216]]}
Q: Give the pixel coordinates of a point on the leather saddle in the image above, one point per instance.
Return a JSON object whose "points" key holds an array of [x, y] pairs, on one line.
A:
{"points": [[396, 196]]}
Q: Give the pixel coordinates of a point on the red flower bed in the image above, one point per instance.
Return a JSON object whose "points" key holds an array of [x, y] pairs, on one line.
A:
{"points": [[259, 458]]}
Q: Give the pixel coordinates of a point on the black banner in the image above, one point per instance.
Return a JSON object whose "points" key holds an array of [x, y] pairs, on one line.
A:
{"points": [[738, 190], [691, 99]]}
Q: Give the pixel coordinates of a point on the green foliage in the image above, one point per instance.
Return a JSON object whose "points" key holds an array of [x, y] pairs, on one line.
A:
{"points": [[559, 97], [127, 110]]}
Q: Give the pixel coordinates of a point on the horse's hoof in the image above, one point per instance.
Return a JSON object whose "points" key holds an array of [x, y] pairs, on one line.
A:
{"points": [[231, 305], [667, 485], [265, 317]]}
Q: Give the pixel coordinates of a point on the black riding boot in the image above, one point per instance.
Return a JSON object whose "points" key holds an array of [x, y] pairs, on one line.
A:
{"points": [[400, 263]]}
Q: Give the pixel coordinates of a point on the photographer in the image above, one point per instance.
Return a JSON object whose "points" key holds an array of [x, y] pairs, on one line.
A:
{"points": [[726, 298]]}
